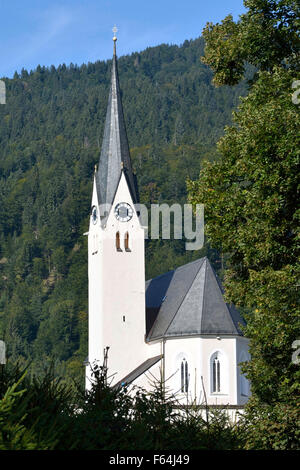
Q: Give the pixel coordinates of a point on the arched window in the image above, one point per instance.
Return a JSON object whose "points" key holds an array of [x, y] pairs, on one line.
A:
{"points": [[184, 369], [126, 242], [219, 376], [118, 246], [216, 375]]}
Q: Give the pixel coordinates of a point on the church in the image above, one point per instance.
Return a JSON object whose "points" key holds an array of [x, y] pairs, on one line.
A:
{"points": [[175, 327]]}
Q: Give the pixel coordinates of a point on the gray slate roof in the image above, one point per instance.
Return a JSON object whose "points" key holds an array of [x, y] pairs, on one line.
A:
{"points": [[138, 371], [115, 156], [189, 301]]}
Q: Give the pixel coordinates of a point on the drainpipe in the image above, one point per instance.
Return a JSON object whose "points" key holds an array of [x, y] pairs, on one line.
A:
{"points": [[163, 349]]}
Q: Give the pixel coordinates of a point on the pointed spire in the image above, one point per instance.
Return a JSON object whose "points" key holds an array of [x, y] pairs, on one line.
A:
{"points": [[115, 156], [115, 29]]}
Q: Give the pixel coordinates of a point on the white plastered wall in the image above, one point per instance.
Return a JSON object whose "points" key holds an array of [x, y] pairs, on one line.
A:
{"points": [[243, 385], [198, 352], [226, 349], [177, 349]]}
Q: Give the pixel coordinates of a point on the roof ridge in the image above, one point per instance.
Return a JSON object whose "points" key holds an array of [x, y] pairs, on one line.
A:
{"points": [[184, 297], [203, 297], [226, 305], [175, 269]]}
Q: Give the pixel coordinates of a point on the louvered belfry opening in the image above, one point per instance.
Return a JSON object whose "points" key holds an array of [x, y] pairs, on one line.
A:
{"points": [[216, 375]]}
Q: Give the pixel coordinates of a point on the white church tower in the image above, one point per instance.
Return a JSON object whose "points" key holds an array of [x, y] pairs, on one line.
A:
{"points": [[116, 267]]}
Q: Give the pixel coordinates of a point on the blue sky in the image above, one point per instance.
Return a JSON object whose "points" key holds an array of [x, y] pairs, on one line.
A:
{"points": [[62, 31]]}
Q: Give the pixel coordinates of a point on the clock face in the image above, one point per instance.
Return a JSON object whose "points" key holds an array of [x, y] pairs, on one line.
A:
{"points": [[123, 212], [94, 214]]}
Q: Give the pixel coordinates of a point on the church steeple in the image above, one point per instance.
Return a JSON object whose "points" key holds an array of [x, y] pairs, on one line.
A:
{"points": [[115, 156]]}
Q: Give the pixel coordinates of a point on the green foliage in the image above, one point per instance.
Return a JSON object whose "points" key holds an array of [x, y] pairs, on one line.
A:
{"points": [[272, 428], [265, 36], [252, 214], [32, 412], [13, 434]]}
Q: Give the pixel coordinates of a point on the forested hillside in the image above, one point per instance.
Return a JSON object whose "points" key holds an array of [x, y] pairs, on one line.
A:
{"points": [[50, 139]]}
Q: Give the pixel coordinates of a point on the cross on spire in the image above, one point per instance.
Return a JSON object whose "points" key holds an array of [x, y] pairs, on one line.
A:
{"points": [[115, 30]]}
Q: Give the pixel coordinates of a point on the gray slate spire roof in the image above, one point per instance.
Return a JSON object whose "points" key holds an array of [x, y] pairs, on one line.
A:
{"points": [[189, 301], [114, 157]]}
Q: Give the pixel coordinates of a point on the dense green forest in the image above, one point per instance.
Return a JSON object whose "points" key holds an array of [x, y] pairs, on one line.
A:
{"points": [[50, 135]]}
